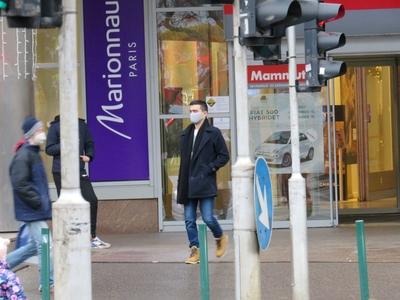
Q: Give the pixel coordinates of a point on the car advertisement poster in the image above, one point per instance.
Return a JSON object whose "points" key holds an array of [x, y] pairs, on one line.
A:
{"points": [[269, 121]]}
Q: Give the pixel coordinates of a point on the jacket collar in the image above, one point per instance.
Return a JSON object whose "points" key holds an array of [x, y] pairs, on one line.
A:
{"points": [[204, 139], [188, 129], [30, 147]]}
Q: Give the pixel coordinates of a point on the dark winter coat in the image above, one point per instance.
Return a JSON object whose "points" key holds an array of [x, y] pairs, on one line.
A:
{"points": [[86, 144], [197, 174], [30, 186]]}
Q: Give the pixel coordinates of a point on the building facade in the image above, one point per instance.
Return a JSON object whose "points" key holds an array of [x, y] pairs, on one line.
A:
{"points": [[142, 62]]}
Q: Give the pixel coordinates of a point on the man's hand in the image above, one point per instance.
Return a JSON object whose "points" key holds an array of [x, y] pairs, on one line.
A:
{"points": [[85, 158]]}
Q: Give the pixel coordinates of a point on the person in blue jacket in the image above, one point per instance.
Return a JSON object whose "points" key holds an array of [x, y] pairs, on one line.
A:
{"points": [[32, 202], [203, 152]]}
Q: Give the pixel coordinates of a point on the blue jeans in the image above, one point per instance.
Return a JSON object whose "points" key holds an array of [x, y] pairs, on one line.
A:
{"points": [[206, 210], [32, 248]]}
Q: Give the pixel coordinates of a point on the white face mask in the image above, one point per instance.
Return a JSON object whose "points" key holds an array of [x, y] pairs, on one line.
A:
{"points": [[196, 117], [39, 139]]}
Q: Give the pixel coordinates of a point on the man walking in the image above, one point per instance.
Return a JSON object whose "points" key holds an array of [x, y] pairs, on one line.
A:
{"points": [[203, 152], [32, 203], [86, 152]]}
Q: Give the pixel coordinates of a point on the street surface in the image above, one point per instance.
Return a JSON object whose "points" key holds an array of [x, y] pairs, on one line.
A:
{"points": [[149, 266]]}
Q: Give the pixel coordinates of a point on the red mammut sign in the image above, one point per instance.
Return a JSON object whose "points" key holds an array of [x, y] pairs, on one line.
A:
{"points": [[367, 4], [272, 75]]}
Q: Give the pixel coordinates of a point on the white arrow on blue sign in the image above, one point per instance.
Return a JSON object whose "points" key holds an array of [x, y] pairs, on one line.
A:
{"points": [[263, 202]]}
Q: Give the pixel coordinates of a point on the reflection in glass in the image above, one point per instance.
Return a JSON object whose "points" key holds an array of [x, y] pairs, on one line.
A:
{"points": [[367, 161], [192, 58], [47, 45], [193, 65], [280, 137], [269, 121], [178, 3], [47, 103]]}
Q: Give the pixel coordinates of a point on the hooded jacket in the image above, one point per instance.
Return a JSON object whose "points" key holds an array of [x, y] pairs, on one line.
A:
{"points": [[30, 186], [86, 144]]}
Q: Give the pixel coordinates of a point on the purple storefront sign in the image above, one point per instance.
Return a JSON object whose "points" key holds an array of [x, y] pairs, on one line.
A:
{"points": [[116, 89]]}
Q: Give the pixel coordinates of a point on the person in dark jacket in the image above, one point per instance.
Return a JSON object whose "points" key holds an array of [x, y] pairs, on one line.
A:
{"points": [[203, 152], [86, 153], [32, 202]]}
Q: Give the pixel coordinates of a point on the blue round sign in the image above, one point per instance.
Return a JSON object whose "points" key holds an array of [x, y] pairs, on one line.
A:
{"points": [[263, 202]]}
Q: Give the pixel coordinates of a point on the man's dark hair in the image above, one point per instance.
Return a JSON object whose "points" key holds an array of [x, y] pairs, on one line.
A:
{"points": [[203, 104]]}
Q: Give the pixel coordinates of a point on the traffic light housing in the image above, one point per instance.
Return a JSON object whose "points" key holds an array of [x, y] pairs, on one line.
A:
{"points": [[317, 42], [34, 13], [263, 23]]}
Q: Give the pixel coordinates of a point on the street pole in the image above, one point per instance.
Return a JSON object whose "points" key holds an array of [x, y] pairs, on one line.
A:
{"points": [[247, 260], [71, 222], [297, 188]]}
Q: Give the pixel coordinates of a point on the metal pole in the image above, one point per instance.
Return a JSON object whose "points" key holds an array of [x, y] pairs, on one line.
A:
{"points": [[247, 260], [297, 187], [71, 221], [362, 260], [45, 264], [204, 280]]}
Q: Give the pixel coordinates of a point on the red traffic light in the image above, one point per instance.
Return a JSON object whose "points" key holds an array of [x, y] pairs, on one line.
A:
{"points": [[328, 12]]}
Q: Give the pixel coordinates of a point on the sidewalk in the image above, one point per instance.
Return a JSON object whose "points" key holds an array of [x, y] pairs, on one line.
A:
{"points": [[336, 244], [324, 245], [150, 266]]}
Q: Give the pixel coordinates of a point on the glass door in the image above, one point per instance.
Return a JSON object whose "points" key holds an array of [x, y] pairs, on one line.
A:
{"points": [[369, 172], [193, 64]]}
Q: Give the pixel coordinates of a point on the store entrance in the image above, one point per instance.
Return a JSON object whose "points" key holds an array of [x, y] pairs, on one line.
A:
{"points": [[366, 138], [194, 64]]}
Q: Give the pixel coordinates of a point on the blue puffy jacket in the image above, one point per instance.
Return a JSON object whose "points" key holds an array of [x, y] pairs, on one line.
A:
{"points": [[30, 186]]}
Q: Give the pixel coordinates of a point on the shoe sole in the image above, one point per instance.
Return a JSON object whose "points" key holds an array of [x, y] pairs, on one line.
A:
{"points": [[101, 247], [192, 262]]}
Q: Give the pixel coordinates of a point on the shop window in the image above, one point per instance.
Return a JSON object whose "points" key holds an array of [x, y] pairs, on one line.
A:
{"points": [[46, 103], [193, 59], [366, 154], [47, 42], [179, 3], [270, 137], [46, 83], [193, 65]]}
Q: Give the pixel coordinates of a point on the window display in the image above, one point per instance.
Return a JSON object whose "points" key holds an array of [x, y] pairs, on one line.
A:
{"points": [[269, 121], [193, 65], [46, 86]]}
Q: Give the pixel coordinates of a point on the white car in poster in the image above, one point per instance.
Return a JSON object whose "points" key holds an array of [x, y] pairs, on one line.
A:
{"points": [[277, 148]]}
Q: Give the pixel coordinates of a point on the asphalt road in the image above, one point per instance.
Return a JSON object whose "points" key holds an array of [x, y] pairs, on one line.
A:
{"points": [[147, 281]]}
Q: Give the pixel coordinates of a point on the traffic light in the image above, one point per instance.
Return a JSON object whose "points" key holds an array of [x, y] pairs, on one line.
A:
{"points": [[263, 23], [317, 42], [34, 13]]}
